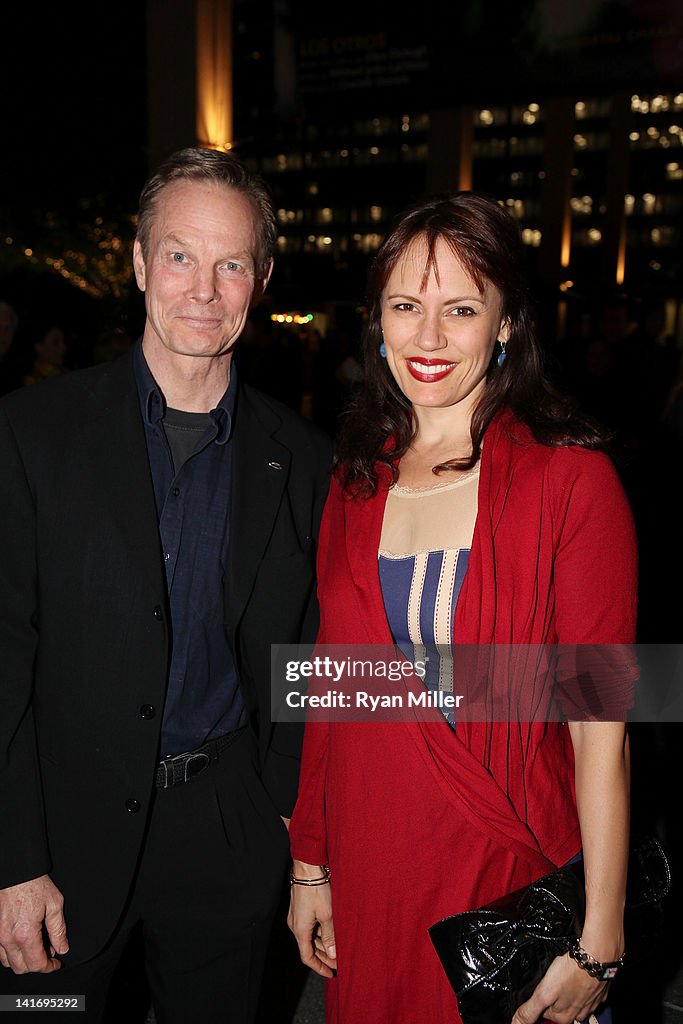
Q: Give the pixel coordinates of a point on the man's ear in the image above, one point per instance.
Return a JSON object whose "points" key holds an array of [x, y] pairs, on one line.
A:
{"points": [[261, 283], [139, 265]]}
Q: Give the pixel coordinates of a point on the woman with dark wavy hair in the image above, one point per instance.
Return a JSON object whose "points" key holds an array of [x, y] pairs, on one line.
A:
{"points": [[472, 504]]}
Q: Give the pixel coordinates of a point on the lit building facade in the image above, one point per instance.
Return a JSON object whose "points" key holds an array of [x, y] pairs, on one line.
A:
{"points": [[573, 121]]}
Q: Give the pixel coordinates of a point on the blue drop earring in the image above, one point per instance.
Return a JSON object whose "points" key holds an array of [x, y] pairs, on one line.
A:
{"points": [[383, 348], [503, 355]]}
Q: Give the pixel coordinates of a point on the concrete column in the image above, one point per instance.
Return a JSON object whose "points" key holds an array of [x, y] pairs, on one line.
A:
{"points": [[613, 264], [558, 159], [450, 149], [214, 74], [171, 77], [190, 87]]}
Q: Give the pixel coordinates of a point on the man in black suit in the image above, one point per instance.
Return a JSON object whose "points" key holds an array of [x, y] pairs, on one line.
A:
{"points": [[158, 521]]}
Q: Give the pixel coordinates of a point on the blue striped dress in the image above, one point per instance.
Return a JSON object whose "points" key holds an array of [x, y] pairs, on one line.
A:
{"points": [[423, 557]]}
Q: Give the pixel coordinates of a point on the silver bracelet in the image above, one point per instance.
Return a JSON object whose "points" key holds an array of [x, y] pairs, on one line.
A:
{"points": [[602, 971], [322, 880]]}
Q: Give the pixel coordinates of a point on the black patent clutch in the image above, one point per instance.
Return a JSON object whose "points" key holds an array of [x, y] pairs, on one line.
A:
{"points": [[495, 956]]}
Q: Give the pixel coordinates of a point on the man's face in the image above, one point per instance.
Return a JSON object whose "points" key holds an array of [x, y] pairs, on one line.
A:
{"points": [[199, 274]]}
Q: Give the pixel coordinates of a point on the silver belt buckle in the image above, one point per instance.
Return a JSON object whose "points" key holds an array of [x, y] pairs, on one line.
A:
{"points": [[196, 764]]}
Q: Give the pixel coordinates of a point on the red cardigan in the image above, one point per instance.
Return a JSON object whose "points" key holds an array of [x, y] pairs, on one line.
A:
{"points": [[553, 560]]}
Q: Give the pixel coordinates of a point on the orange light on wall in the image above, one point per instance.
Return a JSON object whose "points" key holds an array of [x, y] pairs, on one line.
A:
{"points": [[465, 176], [621, 259], [214, 74], [566, 243]]}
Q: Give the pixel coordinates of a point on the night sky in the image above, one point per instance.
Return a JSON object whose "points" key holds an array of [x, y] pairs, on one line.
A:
{"points": [[73, 100], [73, 116]]}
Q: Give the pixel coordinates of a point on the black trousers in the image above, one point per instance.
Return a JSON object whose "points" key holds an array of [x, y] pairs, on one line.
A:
{"points": [[209, 881]]}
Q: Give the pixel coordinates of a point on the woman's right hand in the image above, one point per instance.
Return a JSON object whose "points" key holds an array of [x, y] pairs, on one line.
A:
{"points": [[310, 920]]}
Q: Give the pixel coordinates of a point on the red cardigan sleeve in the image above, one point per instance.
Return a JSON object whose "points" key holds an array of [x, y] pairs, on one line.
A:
{"points": [[595, 556], [595, 574], [307, 832]]}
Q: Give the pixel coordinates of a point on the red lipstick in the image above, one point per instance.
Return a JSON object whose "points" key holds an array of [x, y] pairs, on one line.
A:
{"points": [[434, 369]]}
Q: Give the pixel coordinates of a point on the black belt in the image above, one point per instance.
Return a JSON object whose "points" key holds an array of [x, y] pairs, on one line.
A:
{"points": [[183, 767]]}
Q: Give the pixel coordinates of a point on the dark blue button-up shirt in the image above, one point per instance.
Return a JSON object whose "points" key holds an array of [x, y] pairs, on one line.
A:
{"points": [[203, 699]]}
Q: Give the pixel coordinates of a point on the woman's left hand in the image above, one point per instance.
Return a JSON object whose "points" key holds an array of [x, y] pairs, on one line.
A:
{"points": [[565, 994]]}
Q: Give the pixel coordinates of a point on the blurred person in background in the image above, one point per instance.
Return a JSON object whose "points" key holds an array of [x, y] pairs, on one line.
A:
{"points": [[9, 322], [49, 352]]}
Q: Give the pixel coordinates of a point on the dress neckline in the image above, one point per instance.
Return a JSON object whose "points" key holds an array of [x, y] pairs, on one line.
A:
{"points": [[412, 492]]}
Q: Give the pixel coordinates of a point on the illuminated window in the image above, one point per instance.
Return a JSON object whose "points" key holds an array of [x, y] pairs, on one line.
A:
{"points": [[367, 243], [658, 104], [532, 237], [581, 204], [663, 236], [415, 154], [516, 207], [491, 147], [592, 108]]}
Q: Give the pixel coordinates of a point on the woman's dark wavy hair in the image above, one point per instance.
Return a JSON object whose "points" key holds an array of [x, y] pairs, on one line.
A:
{"points": [[379, 427]]}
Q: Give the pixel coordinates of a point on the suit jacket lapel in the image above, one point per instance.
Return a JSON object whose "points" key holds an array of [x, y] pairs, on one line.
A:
{"points": [[259, 474], [120, 463]]}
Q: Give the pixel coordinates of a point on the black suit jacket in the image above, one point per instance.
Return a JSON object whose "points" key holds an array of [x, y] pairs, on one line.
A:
{"points": [[84, 640]]}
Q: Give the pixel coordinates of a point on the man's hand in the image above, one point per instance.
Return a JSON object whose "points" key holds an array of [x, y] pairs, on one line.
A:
{"points": [[24, 909]]}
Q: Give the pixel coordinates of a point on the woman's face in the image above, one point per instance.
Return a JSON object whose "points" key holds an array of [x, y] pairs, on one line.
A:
{"points": [[439, 333]]}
